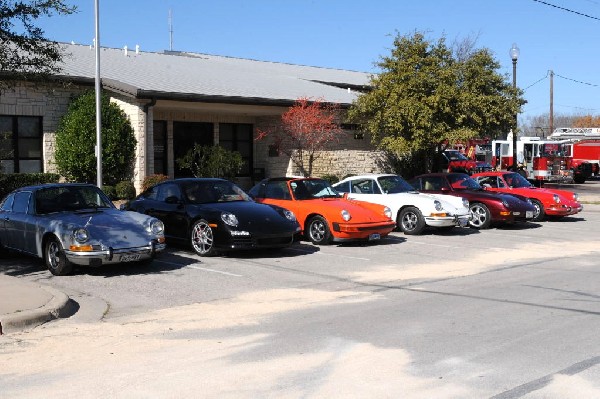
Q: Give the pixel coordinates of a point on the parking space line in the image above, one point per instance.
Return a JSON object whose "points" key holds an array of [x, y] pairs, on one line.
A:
{"points": [[325, 253], [213, 271]]}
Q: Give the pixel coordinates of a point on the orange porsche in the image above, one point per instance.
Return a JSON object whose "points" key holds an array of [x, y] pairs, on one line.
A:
{"points": [[324, 215]]}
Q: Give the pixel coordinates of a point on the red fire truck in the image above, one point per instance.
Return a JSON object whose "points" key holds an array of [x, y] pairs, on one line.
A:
{"points": [[584, 147], [541, 160]]}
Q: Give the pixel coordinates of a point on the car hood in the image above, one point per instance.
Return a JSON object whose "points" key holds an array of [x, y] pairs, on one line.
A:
{"points": [[251, 214], [360, 212], [566, 197], [111, 227], [450, 203]]}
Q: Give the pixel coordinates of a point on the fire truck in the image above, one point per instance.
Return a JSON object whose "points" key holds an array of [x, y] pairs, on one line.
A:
{"points": [[477, 151], [542, 160], [584, 148]]}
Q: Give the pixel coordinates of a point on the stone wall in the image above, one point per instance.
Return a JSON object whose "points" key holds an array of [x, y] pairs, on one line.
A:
{"points": [[47, 100], [348, 155]]}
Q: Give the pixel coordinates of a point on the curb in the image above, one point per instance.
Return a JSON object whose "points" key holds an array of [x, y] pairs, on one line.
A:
{"points": [[55, 308]]}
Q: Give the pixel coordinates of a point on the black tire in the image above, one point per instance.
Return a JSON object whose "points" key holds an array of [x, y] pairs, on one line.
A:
{"points": [[481, 218], [317, 231], [579, 179], [202, 238], [411, 221], [539, 214], [55, 259]]}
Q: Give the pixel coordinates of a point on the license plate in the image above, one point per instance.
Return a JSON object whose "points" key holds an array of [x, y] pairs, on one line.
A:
{"points": [[130, 258], [374, 236], [529, 214]]}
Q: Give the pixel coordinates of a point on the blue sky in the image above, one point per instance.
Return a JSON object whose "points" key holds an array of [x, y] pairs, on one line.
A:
{"points": [[353, 34]]}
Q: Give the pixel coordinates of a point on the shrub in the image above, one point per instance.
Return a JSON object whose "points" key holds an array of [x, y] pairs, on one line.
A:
{"points": [[152, 180], [125, 190], [212, 161], [76, 139], [12, 181], [110, 192], [332, 179]]}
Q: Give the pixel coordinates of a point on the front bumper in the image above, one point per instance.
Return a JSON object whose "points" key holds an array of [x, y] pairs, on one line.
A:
{"points": [[563, 210], [112, 256], [361, 231], [447, 221]]}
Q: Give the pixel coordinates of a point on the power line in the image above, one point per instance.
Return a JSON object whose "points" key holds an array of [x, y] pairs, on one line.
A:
{"points": [[568, 10], [536, 82], [577, 81]]}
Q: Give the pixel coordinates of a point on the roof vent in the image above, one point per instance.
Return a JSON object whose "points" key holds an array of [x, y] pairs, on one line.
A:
{"points": [[125, 51], [137, 48]]}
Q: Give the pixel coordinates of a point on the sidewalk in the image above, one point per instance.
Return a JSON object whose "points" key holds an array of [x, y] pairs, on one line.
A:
{"points": [[24, 304]]}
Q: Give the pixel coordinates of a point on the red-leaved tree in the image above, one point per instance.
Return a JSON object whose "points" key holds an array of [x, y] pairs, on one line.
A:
{"points": [[304, 130]]}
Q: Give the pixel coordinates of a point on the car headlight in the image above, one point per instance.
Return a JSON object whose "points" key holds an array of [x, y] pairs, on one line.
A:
{"points": [[575, 196], [229, 219], [465, 202], [438, 205], [387, 212], [157, 227], [556, 198], [346, 215], [289, 215], [81, 235]]}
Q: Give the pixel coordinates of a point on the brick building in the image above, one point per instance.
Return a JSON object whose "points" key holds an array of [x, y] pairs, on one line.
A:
{"points": [[176, 99]]}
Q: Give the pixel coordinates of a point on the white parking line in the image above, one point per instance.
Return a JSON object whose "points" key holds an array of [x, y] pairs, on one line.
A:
{"points": [[213, 271], [325, 253], [193, 266]]}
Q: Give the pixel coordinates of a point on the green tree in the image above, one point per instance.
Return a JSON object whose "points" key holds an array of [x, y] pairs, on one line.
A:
{"points": [[211, 161], [428, 95], [24, 51], [76, 141]]}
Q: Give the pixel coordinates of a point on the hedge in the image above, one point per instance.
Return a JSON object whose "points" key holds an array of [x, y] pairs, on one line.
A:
{"points": [[12, 181]]}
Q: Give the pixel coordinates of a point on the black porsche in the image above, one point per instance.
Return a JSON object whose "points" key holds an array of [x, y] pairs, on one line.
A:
{"points": [[215, 215]]}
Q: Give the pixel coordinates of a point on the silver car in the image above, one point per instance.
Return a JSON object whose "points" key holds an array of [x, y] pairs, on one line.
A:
{"points": [[76, 224]]}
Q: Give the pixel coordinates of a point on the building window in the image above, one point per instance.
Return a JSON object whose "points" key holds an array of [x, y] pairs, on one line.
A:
{"points": [[21, 144], [160, 148], [238, 137], [185, 136]]}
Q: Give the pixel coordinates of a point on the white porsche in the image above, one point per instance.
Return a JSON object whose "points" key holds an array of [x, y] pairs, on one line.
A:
{"points": [[413, 210]]}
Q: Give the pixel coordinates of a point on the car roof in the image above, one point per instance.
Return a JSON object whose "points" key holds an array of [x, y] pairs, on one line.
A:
{"points": [[52, 185], [367, 176]]}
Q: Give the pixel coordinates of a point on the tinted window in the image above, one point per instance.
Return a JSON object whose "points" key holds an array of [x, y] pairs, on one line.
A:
{"points": [[21, 203], [7, 203], [342, 187], [277, 190], [168, 190]]}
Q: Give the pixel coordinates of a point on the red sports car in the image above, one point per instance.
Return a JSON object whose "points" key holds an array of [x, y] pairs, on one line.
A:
{"points": [[551, 202]]}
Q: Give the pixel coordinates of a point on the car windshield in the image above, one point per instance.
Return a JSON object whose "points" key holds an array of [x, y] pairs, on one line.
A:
{"points": [[70, 198], [204, 192], [455, 155], [394, 184], [515, 180], [463, 182], [312, 188]]}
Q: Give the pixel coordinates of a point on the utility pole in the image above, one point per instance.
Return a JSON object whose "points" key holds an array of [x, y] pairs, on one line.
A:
{"points": [[551, 102], [98, 98]]}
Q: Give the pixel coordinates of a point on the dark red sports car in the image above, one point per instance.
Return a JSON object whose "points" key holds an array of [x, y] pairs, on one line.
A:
{"points": [[486, 207]]}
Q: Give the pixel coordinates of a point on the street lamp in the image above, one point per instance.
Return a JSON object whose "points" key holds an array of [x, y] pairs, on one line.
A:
{"points": [[514, 55]]}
